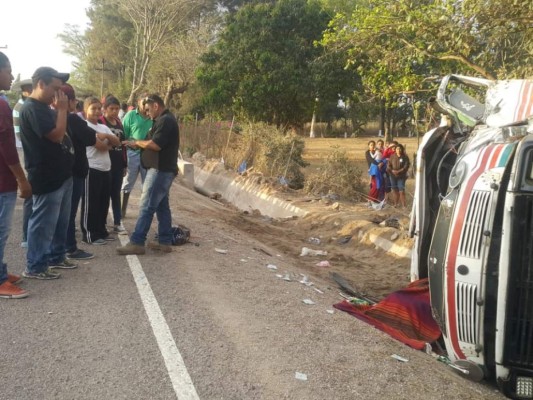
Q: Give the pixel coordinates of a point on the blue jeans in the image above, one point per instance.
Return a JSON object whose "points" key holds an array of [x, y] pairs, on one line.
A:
{"points": [[134, 168], [47, 228], [78, 186], [397, 183], [26, 214], [154, 200], [7, 206]]}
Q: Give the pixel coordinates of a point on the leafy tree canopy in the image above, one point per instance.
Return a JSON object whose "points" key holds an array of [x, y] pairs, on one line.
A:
{"points": [[266, 66]]}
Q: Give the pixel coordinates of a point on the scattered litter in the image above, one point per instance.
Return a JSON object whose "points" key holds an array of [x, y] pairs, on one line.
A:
{"points": [[330, 311], [359, 302], [244, 260], [287, 277], [314, 240], [394, 236], [272, 267], [221, 251], [318, 290], [376, 206], [262, 251], [305, 281], [344, 239], [335, 206], [279, 276], [399, 358], [300, 376], [310, 252], [308, 302], [50, 312], [324, 264]]}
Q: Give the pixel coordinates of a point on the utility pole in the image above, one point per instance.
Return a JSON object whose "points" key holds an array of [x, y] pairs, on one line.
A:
{"points": [[103, 69]]}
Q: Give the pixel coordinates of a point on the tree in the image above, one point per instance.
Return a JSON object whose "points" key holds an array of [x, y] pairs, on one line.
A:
{"points": [[396, 44], [265, 65], [155, 24], [134, 45], [172, 71]]}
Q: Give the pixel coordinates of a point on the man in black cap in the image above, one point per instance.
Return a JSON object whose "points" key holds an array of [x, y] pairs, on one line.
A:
{"points": [[49, 157]]}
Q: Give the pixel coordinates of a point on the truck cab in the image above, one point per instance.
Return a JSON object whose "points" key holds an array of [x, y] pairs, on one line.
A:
{"points": [[472, 224]]}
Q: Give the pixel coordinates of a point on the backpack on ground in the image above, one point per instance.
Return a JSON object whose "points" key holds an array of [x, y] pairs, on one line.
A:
{"points": [[180, 235]]}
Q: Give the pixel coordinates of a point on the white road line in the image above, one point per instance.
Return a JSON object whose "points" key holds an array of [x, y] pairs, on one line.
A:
{"points": [[180, 378]]}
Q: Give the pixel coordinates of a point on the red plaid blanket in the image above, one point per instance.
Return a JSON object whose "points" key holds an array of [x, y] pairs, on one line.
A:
{"points": [[405, 315]]}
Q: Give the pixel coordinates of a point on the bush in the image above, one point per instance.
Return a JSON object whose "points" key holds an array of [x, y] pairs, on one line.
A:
{"points": [[338, 175], [271, 152]]}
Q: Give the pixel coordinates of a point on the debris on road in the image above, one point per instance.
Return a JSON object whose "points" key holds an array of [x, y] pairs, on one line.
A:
{"points": [[399, 358], [314, 240], [305, 280], [221, 251], [309, 302], [324, 264], [300, 376], [310, 252]]}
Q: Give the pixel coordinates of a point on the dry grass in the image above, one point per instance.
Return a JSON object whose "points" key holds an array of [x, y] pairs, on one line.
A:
{"points": [[317, 151]]}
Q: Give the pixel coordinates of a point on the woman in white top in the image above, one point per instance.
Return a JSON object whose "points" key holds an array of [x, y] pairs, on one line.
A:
{"points": [[95, 200]]}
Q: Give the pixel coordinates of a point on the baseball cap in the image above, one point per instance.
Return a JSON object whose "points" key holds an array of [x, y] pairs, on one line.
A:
{"points": [[44, 72], [18, 85]]}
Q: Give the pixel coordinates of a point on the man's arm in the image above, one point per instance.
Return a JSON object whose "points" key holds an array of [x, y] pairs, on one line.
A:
{"points": [[57, 134], [8, 151], [142, 144], [111, 138], [22, 181]]}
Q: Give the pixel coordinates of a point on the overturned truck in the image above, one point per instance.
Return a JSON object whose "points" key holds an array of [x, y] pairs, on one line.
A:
{"points": [[472, 223]]}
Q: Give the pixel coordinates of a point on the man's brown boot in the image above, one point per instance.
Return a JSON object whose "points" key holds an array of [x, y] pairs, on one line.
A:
{"points": [[165, 248], [131, 248]]}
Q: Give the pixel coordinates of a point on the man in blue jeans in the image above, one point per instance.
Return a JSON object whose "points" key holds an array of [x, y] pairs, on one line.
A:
{"points": [[160, 157], [49, 157], [11, 177], [136, 125]]}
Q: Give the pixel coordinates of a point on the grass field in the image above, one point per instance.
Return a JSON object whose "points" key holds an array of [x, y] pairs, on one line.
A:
{"points": [[317, 149]]}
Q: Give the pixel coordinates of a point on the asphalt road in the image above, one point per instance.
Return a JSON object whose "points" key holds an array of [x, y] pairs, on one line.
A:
{"points": [[197, 323]]}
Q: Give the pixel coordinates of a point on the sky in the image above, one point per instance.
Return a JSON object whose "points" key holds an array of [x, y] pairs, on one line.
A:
{"points": [[29, 29]]}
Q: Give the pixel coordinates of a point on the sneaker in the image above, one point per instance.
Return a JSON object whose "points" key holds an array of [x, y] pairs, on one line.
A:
{"points": [[165, 248], [119, 229], [110, 239], [65, 264], [14, 279], [99, 242], [45, 275], [24, 245], [79, 254], [10, 291], [131, 248]]}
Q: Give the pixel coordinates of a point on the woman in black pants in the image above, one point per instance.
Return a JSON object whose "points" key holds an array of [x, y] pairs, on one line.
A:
{"points": [[119, 160]]}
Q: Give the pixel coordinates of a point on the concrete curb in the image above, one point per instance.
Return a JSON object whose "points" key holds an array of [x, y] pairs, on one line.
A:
{"points": [[249, 196]]}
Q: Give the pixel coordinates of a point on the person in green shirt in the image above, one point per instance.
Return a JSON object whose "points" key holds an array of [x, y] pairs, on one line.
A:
{"points": [[136, 125]]}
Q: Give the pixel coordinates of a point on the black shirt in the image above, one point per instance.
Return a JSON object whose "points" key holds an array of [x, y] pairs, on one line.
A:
{"points": [[48, 164], [82, 136], [117, 154], [165, 133]]}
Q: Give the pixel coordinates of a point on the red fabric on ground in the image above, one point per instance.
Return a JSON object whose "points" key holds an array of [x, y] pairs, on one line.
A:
{"points": [[405, 315]]}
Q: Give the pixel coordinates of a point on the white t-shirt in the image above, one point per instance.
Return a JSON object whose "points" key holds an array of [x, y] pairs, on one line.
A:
{"points": [[99, 159]]}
